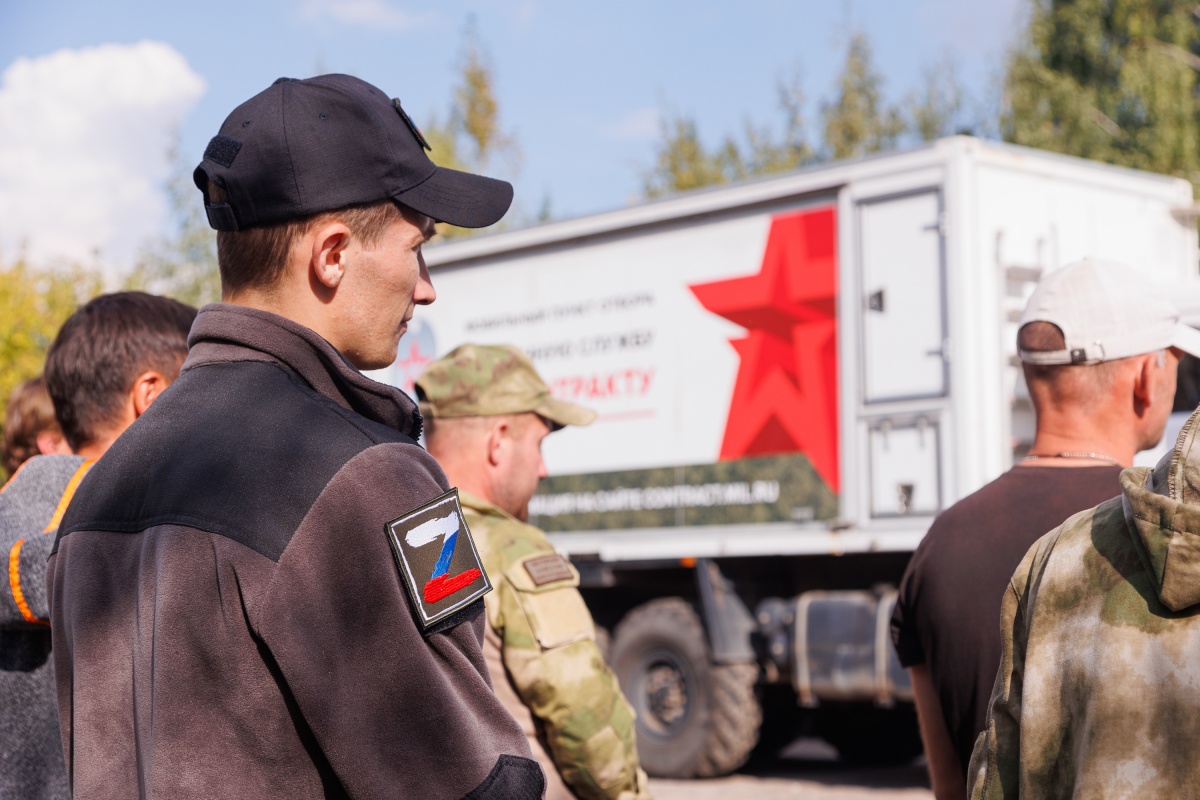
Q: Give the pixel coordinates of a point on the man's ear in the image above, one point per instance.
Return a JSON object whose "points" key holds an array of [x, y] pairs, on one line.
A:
{"points": [[1143, 383], [327, 257], [497, 442], [52, 442], [146, 387]]}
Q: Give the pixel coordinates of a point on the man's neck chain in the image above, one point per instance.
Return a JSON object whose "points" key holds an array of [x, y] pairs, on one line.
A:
{"points": [[1096, 456]]}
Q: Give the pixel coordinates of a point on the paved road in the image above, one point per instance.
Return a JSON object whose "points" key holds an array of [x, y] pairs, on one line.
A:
{"points": [[807, 769]]}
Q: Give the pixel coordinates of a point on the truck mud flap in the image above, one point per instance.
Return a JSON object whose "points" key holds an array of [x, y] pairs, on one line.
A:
{"points": [[726, 618]]}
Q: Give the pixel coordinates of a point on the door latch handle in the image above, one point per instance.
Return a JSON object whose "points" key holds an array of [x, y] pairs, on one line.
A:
{"points": [[942, 352]]}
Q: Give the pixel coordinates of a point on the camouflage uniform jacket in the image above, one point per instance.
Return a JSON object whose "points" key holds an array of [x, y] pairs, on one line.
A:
{"points": [[546, 666], [1098, 692]]}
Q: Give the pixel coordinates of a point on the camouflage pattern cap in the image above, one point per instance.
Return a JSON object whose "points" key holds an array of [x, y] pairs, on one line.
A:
{"points": [[475, 380]]}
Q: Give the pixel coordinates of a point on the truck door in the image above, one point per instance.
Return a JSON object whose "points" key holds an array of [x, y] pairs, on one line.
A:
{"points": [[904, 373], [903, 312]]}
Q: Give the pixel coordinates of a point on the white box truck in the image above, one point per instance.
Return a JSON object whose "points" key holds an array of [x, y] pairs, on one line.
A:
{"points": [[792, 376]]}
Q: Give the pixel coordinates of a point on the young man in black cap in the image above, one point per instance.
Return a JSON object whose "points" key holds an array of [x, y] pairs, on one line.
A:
{"points": [[266, 588]]}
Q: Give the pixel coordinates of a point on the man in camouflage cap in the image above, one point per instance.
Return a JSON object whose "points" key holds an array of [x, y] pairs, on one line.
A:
{"points": [[486, 412]]}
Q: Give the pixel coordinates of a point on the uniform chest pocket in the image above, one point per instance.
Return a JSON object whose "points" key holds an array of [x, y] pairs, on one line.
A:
{"points": [[547, 587]]}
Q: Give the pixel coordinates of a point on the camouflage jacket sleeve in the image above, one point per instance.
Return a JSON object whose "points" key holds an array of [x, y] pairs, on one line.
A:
{"points": [[995, 768], [550, 653]]}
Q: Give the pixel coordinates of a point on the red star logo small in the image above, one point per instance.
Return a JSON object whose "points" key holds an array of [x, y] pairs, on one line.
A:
{"points": [[785, 397]]}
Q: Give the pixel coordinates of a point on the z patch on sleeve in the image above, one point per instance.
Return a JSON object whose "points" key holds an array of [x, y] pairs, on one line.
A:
{"points": [[438, 562]]}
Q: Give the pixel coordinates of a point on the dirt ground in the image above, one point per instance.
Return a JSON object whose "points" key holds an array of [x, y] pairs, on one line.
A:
{"points": [[807, 769]]}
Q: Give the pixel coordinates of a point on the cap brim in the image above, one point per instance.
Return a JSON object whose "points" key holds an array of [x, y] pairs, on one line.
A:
{"points": [[460, 198], [1187, 339], [562, 413]]}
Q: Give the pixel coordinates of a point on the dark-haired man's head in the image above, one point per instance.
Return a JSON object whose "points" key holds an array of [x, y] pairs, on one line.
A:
{"points": [[110, 360], [1099, 347]]}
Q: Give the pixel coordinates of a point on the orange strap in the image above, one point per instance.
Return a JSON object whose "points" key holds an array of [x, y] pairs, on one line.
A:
{"points": [[67, 494], [14, 581], [14, 554], [13, 477]]}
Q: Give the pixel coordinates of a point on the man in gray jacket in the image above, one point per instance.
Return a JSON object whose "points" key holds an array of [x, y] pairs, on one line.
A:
{"points": [[109, 362], [266, 588]]}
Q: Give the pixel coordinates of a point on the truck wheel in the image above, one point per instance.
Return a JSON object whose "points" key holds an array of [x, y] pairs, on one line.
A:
{"points": [[872, 736], [695, 719]]}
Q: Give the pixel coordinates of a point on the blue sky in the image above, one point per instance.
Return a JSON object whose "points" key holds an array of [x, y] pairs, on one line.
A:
{"points": [[580, 86]]}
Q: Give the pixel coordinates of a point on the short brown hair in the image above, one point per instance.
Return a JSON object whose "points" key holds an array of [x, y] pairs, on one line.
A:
{"points": [[30, 412], [100, 351], [257, 257]]}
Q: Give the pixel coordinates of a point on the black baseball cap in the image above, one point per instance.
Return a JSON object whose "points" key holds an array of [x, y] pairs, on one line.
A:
{"points": [[306, 146]]}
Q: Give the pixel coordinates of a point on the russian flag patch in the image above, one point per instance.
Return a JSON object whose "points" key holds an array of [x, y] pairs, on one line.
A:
{"points": [[439, 565]]}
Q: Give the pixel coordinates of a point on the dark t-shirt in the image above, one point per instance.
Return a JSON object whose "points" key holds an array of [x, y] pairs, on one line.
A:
{"points": [[948, 612]]}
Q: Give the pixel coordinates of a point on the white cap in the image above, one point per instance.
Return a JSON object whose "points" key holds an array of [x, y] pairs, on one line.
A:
{"points": [[1105, 311]]}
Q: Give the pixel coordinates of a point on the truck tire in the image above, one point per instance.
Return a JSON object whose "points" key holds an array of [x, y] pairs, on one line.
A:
{"points": [[695, 719]]}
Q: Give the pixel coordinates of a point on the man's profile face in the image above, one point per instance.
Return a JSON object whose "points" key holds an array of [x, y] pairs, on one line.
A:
{"points": [[383, 285], [523, 467]]}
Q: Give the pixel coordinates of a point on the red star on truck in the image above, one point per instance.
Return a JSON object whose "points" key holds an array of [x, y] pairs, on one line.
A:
{"points": [[785, 399]]}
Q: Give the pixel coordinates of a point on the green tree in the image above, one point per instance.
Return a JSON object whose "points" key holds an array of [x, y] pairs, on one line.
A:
{"points": [[34, 302], [470, 136], [184, 265], [763, 154], [936, 108], [858, 121], [1111, 80], [682, 162]]}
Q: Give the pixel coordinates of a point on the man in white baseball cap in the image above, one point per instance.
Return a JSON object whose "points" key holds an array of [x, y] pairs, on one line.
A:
{"points": [[1104, 312], [1099, 346], [1096, 694]]}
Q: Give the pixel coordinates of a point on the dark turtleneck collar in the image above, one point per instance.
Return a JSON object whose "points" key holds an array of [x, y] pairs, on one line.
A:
{"points": [[224, 332]]}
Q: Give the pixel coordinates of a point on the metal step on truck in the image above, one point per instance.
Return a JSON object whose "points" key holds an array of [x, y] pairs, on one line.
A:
{"points": [[793, 376]]}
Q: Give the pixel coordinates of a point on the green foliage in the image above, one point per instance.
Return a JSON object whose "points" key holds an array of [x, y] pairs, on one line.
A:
{"points": [[470, 137], [858, 122], [183, 266], [936, 109], [33, 304], [682, 161], [1112, 80]]}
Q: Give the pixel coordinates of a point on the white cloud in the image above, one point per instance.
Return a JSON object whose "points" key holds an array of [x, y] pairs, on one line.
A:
{"points": [[376, 14], [83, 149], [634, 126]]}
